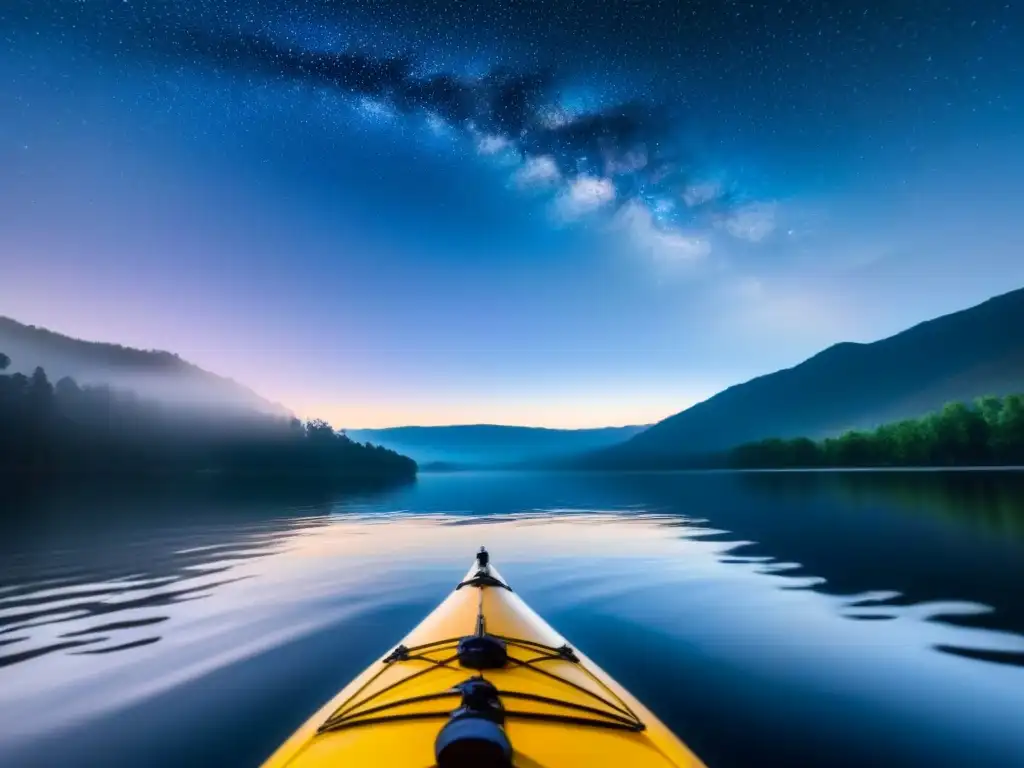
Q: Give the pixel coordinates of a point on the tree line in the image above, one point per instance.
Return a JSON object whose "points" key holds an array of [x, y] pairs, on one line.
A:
{"points": [[49, 432], [987, 432]]}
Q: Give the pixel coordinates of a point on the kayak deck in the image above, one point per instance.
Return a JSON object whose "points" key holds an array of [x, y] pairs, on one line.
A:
{"points": [[557, 708]]}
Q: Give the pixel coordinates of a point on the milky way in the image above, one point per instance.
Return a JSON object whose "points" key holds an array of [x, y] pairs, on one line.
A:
{"points": [[721, 70], [656, 195]]}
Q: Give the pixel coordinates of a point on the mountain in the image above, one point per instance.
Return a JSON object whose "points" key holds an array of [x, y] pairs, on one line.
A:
{"points": [[974, 352], [153, 374], [480, 445]]}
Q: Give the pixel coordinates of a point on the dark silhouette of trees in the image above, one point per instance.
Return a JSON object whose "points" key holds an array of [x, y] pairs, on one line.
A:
{"points": [[988, 432], [49, 433]]}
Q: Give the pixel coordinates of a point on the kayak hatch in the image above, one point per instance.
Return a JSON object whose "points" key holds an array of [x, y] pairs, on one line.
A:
{"points": [[483, 681]]}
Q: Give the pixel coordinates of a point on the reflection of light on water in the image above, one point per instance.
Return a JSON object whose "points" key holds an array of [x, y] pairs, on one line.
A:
{"points": [[208, 605]]}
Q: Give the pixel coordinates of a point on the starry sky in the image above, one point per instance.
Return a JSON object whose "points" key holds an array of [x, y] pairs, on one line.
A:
{"points": [[559, 213]]}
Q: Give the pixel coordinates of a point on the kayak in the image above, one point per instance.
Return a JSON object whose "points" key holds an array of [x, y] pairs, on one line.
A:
{"points": [[483, 681]]}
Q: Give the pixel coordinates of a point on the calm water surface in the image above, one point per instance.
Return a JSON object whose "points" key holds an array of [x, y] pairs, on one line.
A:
{"points": [[768, 618]]}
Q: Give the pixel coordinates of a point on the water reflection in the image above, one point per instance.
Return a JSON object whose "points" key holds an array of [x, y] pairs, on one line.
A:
{"points": [[990, 501], [103, 574], [828, 618], [953, 540]]}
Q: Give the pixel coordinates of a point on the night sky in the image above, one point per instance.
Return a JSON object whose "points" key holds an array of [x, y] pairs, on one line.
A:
{"points": [[564, 213]]}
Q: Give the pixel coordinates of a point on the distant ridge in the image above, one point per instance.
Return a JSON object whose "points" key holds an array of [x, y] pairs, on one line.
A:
{"points": [[152, 373], [960, 356], [478, 445]]}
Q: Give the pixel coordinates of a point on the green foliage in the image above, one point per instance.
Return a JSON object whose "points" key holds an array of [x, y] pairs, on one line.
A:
{"points": [[49, 432], [988, 432]]}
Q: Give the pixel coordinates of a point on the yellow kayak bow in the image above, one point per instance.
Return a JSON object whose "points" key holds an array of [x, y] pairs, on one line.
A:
{"points": [[483, 681]]}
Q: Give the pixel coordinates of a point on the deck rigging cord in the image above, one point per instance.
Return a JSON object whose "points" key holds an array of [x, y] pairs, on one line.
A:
{"points": [[481, 700]]}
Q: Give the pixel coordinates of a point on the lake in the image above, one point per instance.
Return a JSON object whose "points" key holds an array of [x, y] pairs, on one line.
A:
{"points": [[808, 618]]}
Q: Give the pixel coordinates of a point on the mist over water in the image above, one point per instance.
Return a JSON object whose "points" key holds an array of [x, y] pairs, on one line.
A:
{"points": [[816, 618]]}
